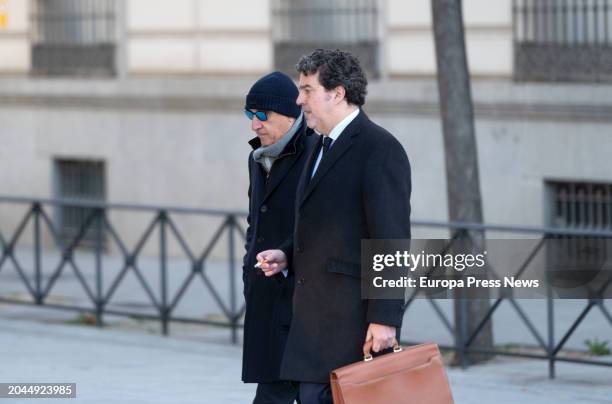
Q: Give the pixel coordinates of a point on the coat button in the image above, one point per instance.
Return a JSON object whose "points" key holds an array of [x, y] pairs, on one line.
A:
{"points": [[263, 209], [260, 239], [300, 249], [300, 281]]}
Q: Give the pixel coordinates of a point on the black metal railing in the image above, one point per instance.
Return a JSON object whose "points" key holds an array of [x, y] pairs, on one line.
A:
{"points": [[99, 297], [550, 347], [232, 307], [562, 40]]}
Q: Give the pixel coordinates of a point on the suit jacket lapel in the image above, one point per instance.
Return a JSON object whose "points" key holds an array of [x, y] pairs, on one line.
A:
{"points": [[282, 168], [337, 150], [306, 172]]}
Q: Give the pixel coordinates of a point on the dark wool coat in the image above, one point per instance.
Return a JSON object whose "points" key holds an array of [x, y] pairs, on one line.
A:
{"points": [[271, 218], [361, 190]]}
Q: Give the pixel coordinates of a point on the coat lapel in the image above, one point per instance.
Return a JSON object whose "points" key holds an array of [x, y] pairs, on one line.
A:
{"points": [[337, 150], [280, 171], [282, 166], [305, 177]]}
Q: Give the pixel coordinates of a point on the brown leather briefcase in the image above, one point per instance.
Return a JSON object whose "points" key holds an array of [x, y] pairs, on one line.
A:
{"points": [[413, 375]]}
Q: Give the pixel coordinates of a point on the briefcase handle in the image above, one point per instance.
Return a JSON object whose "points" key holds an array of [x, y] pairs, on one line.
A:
{"points": [[367, 349]]}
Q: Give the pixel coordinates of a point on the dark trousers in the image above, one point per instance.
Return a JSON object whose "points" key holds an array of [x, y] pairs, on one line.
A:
{"points": [[276, 393], [315, 393]]}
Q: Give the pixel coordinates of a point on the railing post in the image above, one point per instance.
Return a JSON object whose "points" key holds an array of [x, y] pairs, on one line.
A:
{"points": [[163, 257], [232, 278], [551, 331], [99, 247], [36, 209]]}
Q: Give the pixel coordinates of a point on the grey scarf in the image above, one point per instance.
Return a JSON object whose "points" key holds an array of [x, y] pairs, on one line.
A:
{"points": [[267, 155]]}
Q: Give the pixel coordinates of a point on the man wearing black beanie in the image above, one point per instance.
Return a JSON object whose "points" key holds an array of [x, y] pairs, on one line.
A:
{"points": [[280, 150]]}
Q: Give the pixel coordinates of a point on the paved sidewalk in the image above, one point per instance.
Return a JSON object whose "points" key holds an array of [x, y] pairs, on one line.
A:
{"points": [[118, 366]]}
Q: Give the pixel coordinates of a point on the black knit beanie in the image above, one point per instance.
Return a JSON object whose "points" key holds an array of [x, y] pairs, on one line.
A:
{"points": [[274, 92]]}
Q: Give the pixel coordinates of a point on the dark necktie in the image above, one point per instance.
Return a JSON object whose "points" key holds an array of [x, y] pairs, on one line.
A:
{"points": [[327, 141]]}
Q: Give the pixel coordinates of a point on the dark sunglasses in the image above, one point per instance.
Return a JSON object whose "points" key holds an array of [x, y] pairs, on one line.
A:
{"points": [[261, 115]]}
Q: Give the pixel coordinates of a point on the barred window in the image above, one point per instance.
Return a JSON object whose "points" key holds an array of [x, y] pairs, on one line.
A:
{"points": [[74, 37], [78, 180], [580, 206], [568, 40], [300, 26]]}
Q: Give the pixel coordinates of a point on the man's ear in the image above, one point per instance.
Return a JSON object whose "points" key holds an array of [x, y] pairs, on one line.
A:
{"points": [[339, 94]]}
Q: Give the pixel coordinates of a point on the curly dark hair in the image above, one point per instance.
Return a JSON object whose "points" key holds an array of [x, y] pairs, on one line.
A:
{"points": [[336, 68]]}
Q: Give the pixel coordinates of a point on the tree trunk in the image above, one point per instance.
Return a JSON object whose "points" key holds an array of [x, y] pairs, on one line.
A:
{"points": [[463, 184]]}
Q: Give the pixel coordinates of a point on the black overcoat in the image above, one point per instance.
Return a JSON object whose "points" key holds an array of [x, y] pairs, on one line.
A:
{"points": [[361, 190], [271, 218]]}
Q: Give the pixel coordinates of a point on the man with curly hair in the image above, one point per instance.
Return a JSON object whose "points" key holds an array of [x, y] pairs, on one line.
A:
{"points": [[356, 185]]}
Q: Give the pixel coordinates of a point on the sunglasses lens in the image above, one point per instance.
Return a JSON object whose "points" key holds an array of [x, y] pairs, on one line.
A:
{"points": [[261, 115]]}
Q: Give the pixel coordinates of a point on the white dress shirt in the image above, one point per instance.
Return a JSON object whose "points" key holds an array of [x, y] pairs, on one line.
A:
{"points": [[334, 134]]}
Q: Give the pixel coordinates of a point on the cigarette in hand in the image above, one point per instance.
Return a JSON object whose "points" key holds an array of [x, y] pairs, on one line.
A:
{"points": [[258, 265]]}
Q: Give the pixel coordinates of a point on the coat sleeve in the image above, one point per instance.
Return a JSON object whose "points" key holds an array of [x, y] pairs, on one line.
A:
{"points": [[248, 235], [386, 198], [287, 248]]}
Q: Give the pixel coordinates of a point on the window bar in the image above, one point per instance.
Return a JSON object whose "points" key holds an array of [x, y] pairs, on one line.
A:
{"points": [[587, 206], [545, 15], [82, 27], [585, 18], [562, 196], [608, 208], [572, 209], [596, 22], [57, 23], [525, 21], [606, 22], [594, 207], [63, 21], [535, 22], [581, 207], [564, 25], [598, 203], [553, 15], [574, 15]]}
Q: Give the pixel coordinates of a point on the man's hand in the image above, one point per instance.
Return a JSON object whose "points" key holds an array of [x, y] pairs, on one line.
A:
{"points": [[379, 337], [272, 261]]}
